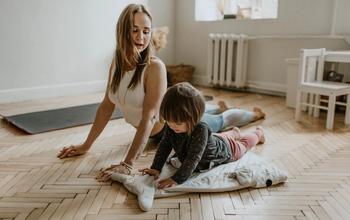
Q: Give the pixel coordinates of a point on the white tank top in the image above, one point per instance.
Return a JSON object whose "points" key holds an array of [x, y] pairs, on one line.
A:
{"points": [[129, 101]]}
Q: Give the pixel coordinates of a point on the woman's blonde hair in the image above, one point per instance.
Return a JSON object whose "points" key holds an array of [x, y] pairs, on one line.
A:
{"points": [[182, 103], [126, 54]]}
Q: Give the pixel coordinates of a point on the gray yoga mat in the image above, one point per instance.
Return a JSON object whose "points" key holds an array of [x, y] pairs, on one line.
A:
{"points": [[43, 121]]}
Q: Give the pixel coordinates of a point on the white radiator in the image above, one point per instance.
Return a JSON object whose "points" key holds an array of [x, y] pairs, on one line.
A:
{"points": [[227, 60]]}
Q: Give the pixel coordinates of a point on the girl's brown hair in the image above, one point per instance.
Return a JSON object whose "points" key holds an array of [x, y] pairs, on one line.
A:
{"points": [[126, 55], [183, 103]]}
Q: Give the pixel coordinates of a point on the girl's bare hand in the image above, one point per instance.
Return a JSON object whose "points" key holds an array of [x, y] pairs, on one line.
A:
{"points": [[166, 183], [149, 171]]}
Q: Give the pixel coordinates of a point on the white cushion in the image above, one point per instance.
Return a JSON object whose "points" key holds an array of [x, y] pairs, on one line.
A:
{"points": [[250, 171]]}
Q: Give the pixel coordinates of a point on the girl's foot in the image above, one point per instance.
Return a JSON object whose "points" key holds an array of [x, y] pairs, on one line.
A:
{"points": [[222, 106], [261, 136], [259, 114]]}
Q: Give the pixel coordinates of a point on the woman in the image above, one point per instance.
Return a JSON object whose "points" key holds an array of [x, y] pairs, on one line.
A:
{"points": [[136, 84]]}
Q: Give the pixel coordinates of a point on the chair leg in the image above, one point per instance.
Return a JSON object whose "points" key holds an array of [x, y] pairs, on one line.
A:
{"points": [[311, 101], [330, 112], [347, 112], [304, 98], [317, 110], [298, 105]]}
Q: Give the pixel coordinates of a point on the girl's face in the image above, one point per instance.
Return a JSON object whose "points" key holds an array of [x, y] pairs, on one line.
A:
{"points": [[141, 31], [178, 127]]}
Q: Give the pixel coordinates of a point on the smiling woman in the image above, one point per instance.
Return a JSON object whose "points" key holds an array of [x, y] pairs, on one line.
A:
{"points": [[141, 31], [136, 85]]}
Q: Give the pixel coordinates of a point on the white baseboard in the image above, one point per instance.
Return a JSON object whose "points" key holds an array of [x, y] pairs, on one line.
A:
{"points": [[255, 85], [23, 94], [275, 87]]}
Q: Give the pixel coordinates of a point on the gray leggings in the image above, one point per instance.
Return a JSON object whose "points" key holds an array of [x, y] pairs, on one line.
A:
{"points": [[232, 117]]}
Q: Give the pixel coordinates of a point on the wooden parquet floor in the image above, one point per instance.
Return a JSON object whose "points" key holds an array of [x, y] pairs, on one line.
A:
{"points": [[34, 184]]}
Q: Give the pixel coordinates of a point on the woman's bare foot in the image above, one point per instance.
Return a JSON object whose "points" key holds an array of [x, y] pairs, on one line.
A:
{"points": [[222, 106], [262, 135], [259, 114]]}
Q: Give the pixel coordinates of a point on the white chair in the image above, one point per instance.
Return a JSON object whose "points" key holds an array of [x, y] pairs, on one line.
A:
{"points": [[310, 81]]}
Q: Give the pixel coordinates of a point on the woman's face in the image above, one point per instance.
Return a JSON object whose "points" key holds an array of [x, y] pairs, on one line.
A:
{"points": [[141, 31], [178, 127]]}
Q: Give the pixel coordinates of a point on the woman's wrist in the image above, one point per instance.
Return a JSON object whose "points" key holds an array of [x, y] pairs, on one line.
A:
{"points": [[86, 145], [127, 162], [130, 167]]}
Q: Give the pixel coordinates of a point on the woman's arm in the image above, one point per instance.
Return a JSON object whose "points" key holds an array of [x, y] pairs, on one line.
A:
{"points": [[155, 88], [103, 114]]}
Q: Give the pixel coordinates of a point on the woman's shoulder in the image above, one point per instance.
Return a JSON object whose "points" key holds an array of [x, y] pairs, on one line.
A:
{"points": [[156, 68], [156, 64], [155, 59]]}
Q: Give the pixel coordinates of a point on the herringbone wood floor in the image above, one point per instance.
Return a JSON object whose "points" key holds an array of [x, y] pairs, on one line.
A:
{"points": [[34, 184]]}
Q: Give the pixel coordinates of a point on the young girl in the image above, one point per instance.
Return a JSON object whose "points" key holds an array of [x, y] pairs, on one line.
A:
{"points": [[194, 144]]}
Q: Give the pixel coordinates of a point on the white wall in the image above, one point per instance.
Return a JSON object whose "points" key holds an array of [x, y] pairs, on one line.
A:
{"points": [[163, 14], [342, 24], [266, 65], [52, 48]]}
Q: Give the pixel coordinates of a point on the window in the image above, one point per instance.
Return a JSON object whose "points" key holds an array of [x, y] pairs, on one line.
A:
{"points": [[213, 10]]}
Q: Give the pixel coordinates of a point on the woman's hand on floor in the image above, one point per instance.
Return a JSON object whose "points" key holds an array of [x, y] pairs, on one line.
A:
{"points": [[105, 174], [73, 150]]}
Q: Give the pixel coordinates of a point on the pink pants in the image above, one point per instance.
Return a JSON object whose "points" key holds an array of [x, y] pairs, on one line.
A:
{"points": [[240, 144]]}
